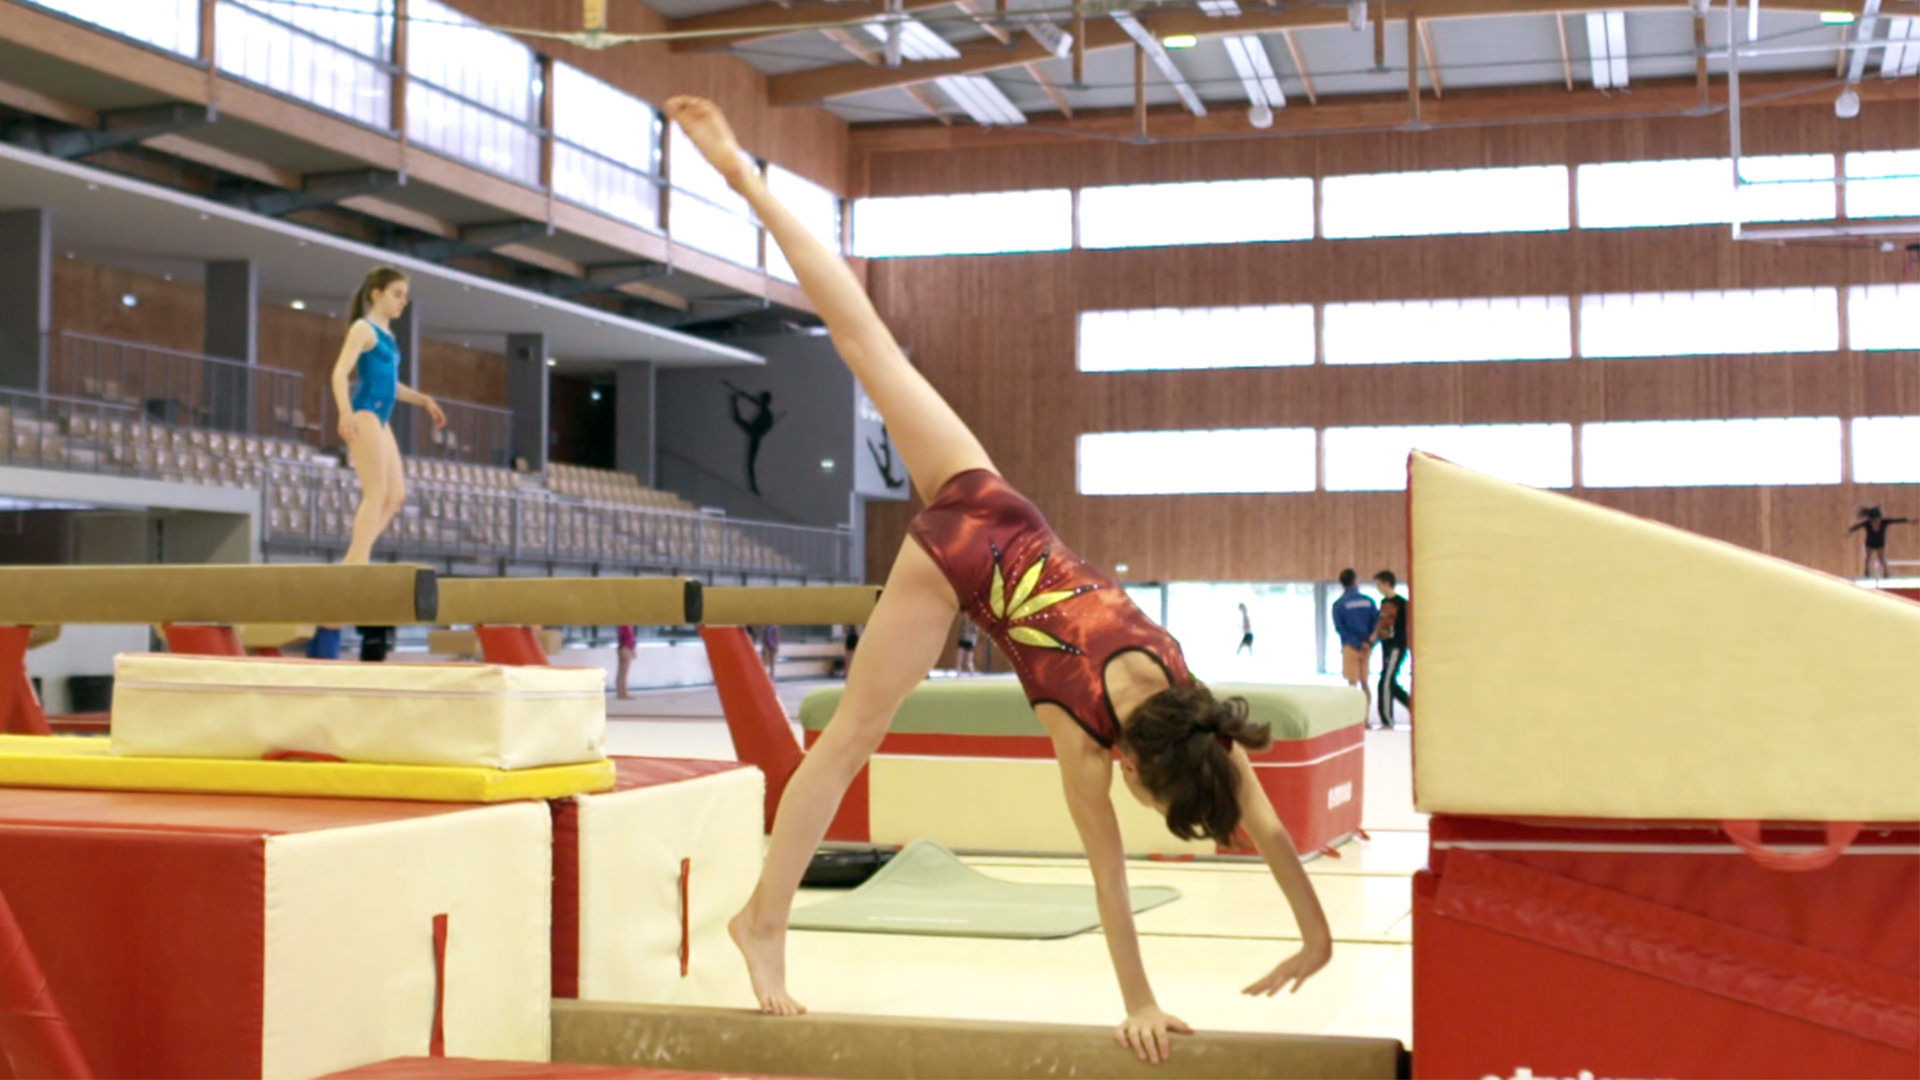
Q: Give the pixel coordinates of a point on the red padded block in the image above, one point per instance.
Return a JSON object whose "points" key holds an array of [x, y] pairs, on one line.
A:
{"points": [[146, 913], [19, 709], [629, 773], [472, 1069], [1660, 950]]}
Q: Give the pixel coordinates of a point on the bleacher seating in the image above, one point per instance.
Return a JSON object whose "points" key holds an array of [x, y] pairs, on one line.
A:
{"points": [[572, 513]]}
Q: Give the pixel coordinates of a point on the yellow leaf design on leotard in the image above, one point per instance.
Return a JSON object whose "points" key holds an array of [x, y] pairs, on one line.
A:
{"points": [[1041, 603], [1027, 582], [1027, 635], [997, 597]]}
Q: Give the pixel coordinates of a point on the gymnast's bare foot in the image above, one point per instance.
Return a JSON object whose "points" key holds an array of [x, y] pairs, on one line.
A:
{"points": [[766, 955]]}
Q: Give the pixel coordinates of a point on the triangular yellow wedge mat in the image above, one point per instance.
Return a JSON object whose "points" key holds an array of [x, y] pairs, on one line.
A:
{"points": [[1574, 661]]}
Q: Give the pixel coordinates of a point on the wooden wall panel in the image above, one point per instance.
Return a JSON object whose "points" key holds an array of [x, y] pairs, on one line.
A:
{"points": [[811, 142], [996, 334], [1090, 162]]}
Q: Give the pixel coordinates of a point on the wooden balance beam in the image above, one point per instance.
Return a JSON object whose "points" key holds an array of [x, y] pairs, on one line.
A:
{"points": [[802, 605], [255, 593], [736, 1042]]}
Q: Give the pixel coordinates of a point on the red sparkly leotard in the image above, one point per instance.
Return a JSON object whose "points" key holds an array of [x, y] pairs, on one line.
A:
{"points": [[1058, 619]]}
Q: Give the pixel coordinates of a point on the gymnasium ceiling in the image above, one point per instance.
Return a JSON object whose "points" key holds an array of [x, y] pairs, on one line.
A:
{"points": [[1311, 50]]}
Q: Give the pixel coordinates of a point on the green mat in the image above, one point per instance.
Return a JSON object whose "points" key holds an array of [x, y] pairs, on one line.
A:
{"points": [[926, 889]]}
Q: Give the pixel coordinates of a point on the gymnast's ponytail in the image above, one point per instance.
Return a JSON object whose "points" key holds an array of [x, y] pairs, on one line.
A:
{"points": [[377, 279], [1182, 740]]}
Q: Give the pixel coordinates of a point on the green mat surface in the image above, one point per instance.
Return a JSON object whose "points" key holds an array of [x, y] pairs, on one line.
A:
{"points": [[926, 889]]}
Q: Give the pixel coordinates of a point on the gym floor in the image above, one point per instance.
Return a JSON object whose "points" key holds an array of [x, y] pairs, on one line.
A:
{"points": [[1229, 927]]}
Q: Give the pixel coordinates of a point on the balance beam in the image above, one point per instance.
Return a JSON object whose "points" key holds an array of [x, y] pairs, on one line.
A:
{"points": [[142, 595], [568, 601], [737, 1043], [804, 605]]}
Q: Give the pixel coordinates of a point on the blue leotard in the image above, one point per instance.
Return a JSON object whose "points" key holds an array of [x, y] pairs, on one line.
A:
{"points": [[377, 376]]}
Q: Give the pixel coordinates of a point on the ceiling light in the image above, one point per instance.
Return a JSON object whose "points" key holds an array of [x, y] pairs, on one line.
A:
{"points": [[298, 305], [1119, 568], [1356, 15], [1847, 105], [129, 300], [826, 464], [1179, 41], [593, 396], [551, 362], [1260, 115], [1836, 18]]}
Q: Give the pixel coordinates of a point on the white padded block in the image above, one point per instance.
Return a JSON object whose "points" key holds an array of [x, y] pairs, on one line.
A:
{"points": [[999, 804], [349, 962], [1580, 662], [393, 714], [631, 846]]}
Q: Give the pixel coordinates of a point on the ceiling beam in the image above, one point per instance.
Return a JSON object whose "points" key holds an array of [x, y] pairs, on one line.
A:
{"points": [[1465, 107], [842, 80], [919, 94], [1566, 53], [1300, 67], [846, 39], [1157, 54], [1433, 66], [1053, 92], [757, 22], [991, 23]]}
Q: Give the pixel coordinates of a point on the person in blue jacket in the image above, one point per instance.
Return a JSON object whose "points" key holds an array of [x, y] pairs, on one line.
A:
{"points": [[1354, 617]]}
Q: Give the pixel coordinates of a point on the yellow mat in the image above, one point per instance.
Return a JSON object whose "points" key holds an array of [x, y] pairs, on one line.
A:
{"points": [[57, 762]]}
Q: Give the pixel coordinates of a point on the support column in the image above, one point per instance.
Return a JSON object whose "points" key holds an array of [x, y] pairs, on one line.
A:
{"points": [[527, 396], [412, 431], [232, 333], [26, 298], [633, 425]]}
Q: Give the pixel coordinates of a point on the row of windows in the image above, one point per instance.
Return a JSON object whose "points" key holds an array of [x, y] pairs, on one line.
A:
{"points": [[475, 94], [1620, 195], [1879, 317], [1655, 453]]}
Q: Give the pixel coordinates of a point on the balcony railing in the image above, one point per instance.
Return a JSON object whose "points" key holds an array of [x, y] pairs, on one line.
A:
{"points": [[175, 387]]}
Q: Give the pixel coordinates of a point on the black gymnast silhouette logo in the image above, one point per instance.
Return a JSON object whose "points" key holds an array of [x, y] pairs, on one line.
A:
{"points": [[755, 426], [883, 460]]}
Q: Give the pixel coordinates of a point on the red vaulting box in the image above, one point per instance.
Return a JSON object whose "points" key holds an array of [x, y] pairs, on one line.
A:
{"points": [[240, 936], [646, 877]]}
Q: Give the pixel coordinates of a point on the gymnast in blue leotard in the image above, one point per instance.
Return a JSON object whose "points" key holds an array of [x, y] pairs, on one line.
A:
{"points": [[371, 360]]}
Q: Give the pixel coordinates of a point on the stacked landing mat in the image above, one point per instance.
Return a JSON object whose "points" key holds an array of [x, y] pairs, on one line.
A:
{"points": [[967, 764], [1676, 827]]}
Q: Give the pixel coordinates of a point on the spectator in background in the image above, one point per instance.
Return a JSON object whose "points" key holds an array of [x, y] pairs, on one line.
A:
{"points": [[963, 649], [770, 649], [1394, 633], [1354, 618], [628, 643], [1246, 632]]}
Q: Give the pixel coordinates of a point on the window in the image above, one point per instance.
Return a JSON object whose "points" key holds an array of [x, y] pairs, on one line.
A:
{"points": [[1375, 458], [994, 223], [816, 207], [1439, 331], [1883, 183], [1886, 450], [1531, 199], [1227, 212], [1700, 191], [1196, 462], [472, 93], [1704, 453], [172, 25], [1710, 323], [1883, 317], [1176, 339], [333, 56], [606, 150], [706, 213]]}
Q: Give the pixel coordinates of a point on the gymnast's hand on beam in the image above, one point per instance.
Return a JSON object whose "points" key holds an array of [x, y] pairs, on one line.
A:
{"points": [[1146, 1034], [1295, 969], [706, 125]]}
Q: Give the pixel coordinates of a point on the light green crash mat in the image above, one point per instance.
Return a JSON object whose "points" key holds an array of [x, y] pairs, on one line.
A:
{"points": [[926, 889]]}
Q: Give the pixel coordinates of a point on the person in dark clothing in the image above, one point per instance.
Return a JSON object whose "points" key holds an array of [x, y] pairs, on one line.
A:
{"points": [[1394, 633], [1875, 525], [1246, 632], [1354, 617]]}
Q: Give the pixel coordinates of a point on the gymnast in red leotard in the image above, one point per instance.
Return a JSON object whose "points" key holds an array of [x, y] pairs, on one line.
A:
{"points": [[1105, 681]]}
